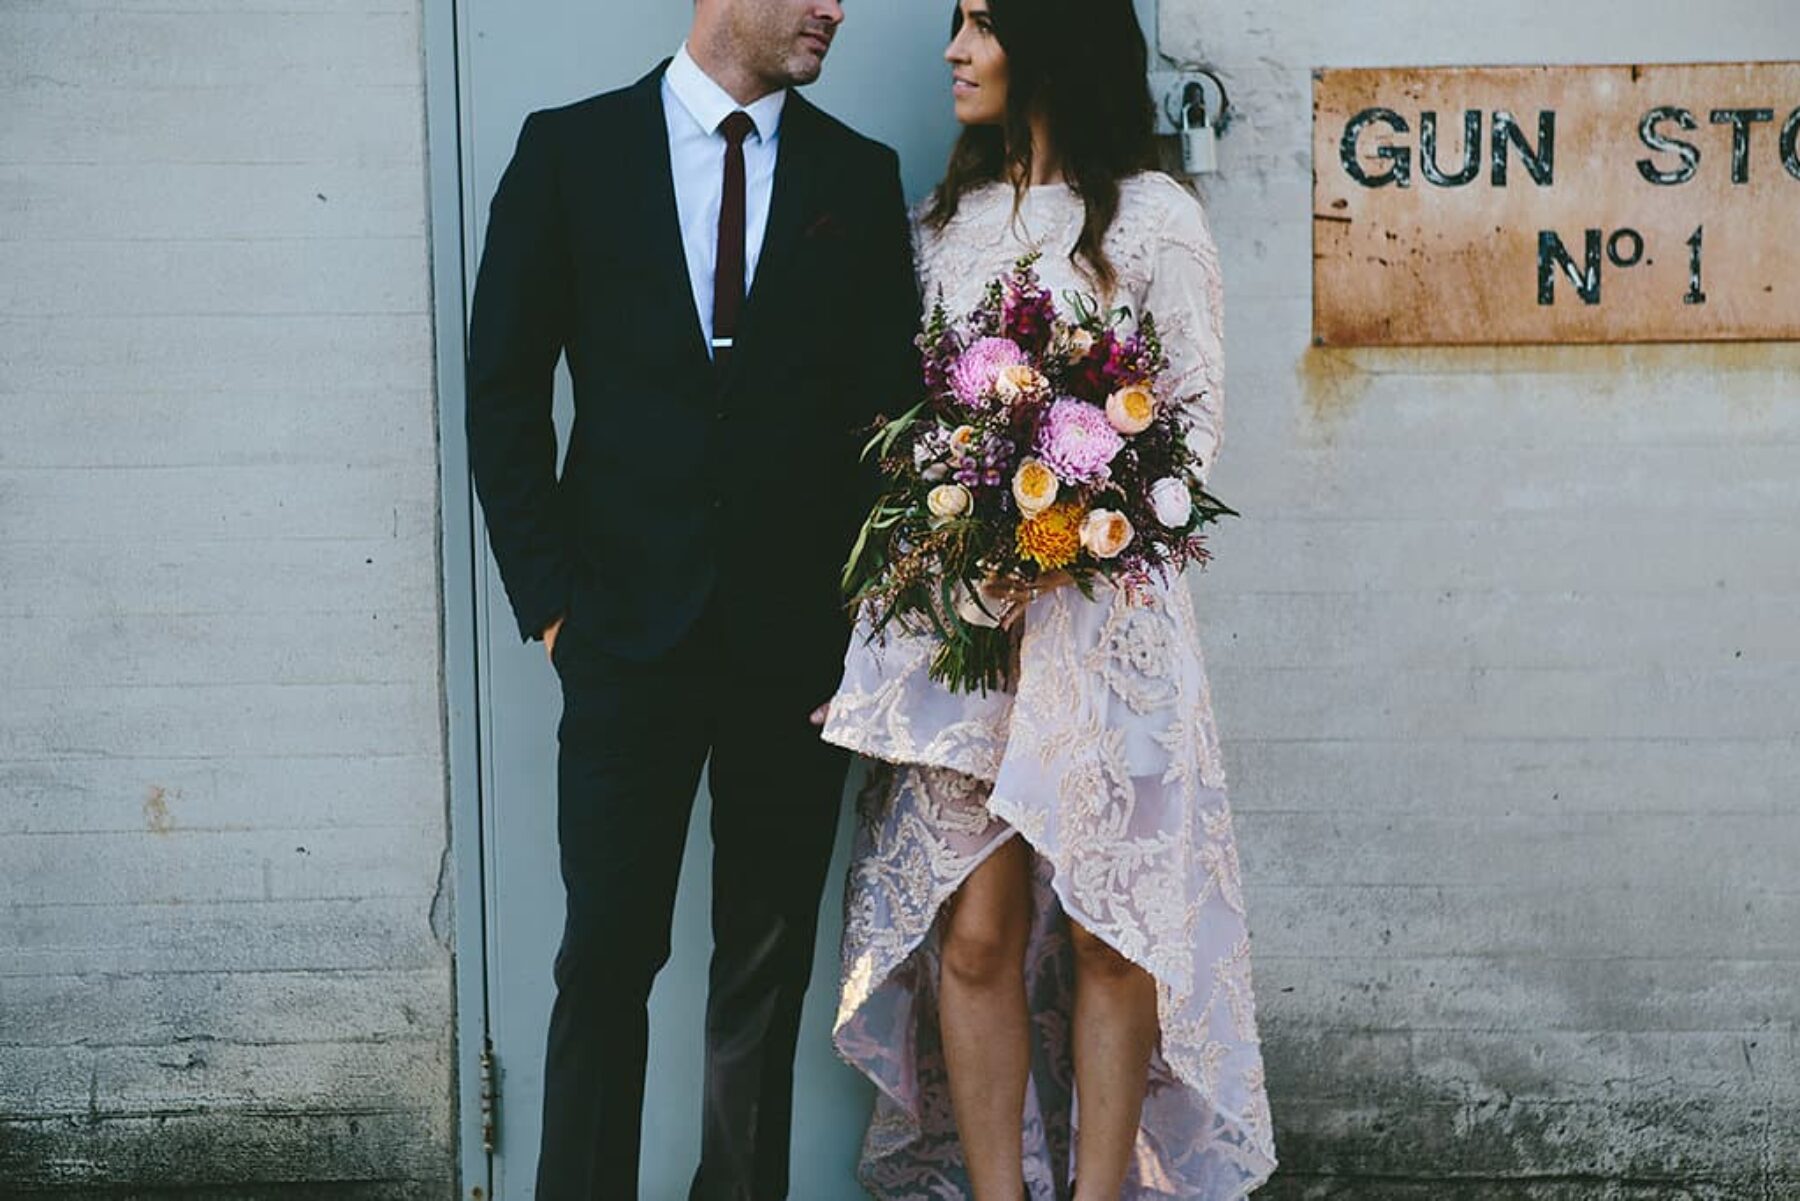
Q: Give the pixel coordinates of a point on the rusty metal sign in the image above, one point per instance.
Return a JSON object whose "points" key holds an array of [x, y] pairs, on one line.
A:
{"points": [[1482, 205]]}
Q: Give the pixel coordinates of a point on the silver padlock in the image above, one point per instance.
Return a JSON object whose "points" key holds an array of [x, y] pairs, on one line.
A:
{"points": [[1199, 144]]}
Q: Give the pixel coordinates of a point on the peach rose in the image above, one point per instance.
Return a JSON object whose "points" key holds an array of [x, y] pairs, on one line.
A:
{"points": [[962, 440], [1021, 379], [1034, 486], [1131, 409], [1105, 533]]}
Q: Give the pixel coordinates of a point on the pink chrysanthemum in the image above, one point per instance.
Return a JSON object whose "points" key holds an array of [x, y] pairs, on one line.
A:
{"points": [[1077, 441], [972, 379]]}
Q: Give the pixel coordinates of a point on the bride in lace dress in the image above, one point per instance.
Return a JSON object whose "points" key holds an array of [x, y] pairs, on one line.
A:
{"points": [[1045, 943]]}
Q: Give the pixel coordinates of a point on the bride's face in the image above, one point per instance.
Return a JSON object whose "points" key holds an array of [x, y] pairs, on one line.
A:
{"points": [[977, 66]]}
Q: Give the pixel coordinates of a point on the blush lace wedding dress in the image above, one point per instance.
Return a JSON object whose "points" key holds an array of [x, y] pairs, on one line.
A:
{"points": [[1104, 758]]}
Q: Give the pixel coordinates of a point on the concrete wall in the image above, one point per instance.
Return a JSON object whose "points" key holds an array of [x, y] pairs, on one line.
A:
{"points": [[1505, 650], [222, 950]]}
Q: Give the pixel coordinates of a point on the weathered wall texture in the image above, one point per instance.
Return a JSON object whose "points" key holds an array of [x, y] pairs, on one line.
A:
{"points": [[1506, 653], [221, 775]]}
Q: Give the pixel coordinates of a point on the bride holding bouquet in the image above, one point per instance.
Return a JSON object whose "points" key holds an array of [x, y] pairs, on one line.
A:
{"points": [[1046, 964]]}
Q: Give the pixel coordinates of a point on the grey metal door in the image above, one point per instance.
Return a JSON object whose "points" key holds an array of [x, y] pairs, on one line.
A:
{"points": [[886, 78]]}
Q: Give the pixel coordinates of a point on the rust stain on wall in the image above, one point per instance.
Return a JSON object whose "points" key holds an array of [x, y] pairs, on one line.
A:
{"points": [[1333, 382], [156, 810], [1748, 377]]}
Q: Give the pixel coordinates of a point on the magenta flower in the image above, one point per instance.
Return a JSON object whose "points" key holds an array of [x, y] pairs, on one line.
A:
{"points": [[1029, 316], [1077, 441], [972, 379]]}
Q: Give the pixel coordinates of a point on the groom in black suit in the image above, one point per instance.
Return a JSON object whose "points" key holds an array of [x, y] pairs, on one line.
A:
{"points": [[728, 272]]}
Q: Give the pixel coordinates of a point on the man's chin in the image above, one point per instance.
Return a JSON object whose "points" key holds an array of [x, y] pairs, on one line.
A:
{"points": [[805, 67], [802, 77]]}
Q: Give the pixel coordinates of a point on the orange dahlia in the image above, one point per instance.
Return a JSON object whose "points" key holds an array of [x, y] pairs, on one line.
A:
{"points": [[1052, 539]]}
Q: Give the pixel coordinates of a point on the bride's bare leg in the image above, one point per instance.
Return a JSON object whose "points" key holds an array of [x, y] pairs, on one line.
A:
{"points": [[982, 1013], [1115, 1032]]}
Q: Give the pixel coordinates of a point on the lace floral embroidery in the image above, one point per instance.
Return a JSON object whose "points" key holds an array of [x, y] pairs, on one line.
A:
{"points": [[1105, 760]]}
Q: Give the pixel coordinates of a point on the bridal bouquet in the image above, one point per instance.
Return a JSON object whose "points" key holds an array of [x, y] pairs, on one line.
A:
{"points": [[1047, 450]]}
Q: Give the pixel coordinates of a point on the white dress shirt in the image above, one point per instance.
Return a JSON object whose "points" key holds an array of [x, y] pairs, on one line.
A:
{"points": [[695, 106]]}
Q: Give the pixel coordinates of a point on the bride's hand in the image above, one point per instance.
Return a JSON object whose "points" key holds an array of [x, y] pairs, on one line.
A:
{"points": [[1017, 594], [821, 715], [1021, 592]]}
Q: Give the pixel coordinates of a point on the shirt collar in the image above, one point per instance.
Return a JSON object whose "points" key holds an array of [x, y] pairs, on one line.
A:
{"points": [[709, 104]]}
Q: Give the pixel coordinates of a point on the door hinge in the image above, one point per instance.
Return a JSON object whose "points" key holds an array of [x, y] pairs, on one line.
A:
{"points": [[490, 1096]]}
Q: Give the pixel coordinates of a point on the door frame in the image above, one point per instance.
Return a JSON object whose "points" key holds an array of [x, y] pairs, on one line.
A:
{"points": [[450, 236]]}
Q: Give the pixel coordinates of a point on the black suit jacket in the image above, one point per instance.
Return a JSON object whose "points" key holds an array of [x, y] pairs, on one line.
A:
{"points": [[684, 484]]}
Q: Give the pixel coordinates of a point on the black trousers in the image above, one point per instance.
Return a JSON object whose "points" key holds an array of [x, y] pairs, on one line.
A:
{"points": [[633, 739]]}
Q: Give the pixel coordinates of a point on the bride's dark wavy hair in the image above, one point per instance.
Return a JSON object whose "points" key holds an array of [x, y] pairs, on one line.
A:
{"points": [[1083, 64]]}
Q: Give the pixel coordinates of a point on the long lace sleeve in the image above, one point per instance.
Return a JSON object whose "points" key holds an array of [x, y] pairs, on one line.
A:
{"points": [[1187, 296]]}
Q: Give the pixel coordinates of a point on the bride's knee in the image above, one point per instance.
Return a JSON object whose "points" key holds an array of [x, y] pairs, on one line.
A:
{"points": [[983, 952], [1096, 959]]}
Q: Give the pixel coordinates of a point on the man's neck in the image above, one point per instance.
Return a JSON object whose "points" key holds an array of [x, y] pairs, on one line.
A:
{"points": [[741, 84]]}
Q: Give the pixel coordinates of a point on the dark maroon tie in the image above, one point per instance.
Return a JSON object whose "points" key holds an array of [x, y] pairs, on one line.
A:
{"points": [[728, 277]]}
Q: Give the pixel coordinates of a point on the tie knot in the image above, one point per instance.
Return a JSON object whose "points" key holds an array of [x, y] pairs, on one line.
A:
{"points": [[737, 127]]}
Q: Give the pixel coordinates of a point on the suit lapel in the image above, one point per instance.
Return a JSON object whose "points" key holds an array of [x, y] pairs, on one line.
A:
{"points": [[792, 201], [791, 206], [659, 221]]}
